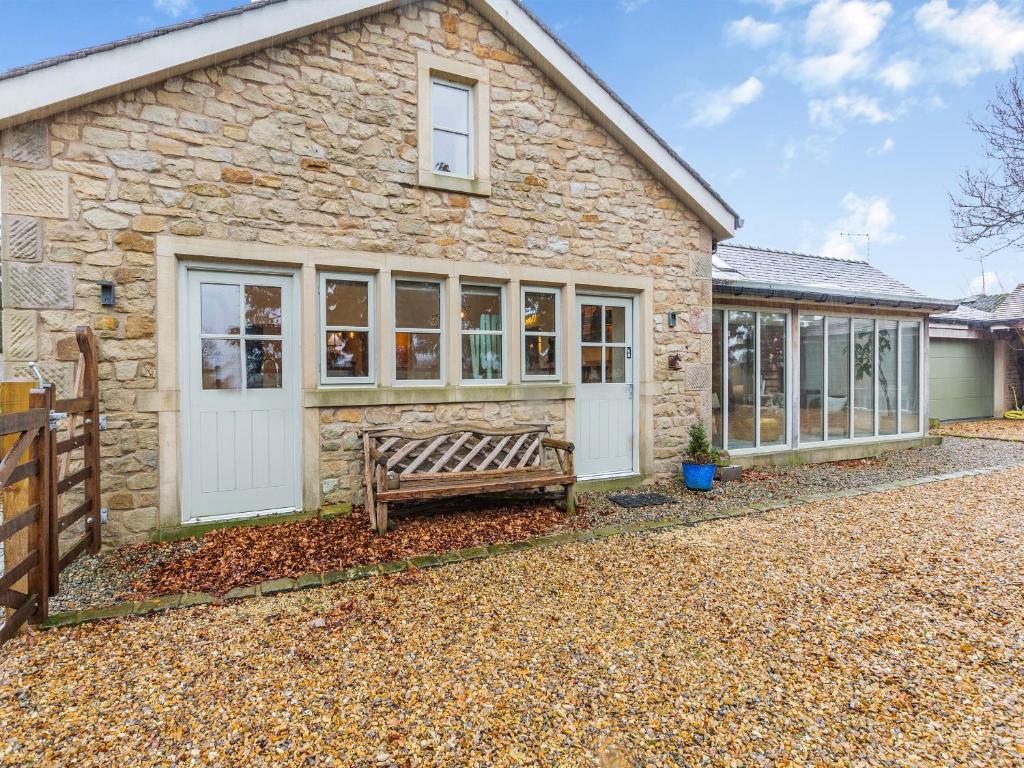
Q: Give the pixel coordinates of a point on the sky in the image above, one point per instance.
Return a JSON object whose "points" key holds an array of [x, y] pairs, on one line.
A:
{"points": [[832, 126]]}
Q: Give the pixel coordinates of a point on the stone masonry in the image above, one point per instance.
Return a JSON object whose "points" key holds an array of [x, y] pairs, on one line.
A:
{"points": [[313, 143]]}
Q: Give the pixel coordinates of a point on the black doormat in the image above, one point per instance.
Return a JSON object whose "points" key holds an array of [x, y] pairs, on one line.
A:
{"points": [[640, 499]]}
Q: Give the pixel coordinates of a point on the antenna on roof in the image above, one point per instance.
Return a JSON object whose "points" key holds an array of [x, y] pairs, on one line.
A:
{"points": [[865, 235]]}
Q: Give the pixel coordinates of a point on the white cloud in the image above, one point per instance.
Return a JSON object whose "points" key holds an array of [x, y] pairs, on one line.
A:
{"points": [[174, 8], [753, 32], [862, 216], [830, 70], [632, 5], [834, 111], [839, 35], [719, 105], [887, 146], [989, 35], [900, 74], [986, 282]]}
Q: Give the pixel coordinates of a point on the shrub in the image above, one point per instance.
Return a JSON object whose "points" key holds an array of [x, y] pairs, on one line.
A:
{"points": [[699, 451]]}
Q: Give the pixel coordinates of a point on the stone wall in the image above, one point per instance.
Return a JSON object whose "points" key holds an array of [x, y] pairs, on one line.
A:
{"points": [[313, 143]]}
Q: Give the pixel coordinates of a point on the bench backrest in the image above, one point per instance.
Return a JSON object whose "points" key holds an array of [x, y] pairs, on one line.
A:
{"points": [[459, 448]]}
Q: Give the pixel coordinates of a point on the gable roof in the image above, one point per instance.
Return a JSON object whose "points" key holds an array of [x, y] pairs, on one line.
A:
{"points": [[981, 310], [83, 77], [747, 270]]}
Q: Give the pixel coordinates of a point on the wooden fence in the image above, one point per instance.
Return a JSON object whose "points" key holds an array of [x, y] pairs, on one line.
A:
{"points": [[37, 471]]}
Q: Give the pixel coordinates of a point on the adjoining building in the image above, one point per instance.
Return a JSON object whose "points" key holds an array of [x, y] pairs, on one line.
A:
{"points": [[815, 358], [977, 355]]}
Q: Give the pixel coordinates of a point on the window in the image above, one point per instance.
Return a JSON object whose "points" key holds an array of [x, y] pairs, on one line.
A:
{"points": [[453, 125], [241, 342], [451, 118], [346, 320], [419, 340], [541, 323], [879, 358], [483, 336], [749, 379]]}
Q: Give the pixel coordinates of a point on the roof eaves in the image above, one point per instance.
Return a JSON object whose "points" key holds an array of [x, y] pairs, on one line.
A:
{"points": [[806, 293]]}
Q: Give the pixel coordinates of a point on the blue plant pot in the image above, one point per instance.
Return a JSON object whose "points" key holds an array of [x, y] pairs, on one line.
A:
{"points": [[698, 477]]}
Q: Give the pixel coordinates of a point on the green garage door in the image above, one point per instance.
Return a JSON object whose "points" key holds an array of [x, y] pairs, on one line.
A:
{"points": [[959, 379]]}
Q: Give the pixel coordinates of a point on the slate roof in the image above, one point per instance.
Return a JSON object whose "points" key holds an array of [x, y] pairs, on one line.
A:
{"points": [[787, 274], [988, 310]]}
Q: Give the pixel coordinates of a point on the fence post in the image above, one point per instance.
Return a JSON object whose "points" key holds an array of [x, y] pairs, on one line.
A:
{"points": [[14, 398], [53, 510], [39, 580], [91, 388]]}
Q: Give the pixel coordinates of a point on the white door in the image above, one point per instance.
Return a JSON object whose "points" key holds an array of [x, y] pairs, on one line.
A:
{"points": [[605, 422], [241, 409]]}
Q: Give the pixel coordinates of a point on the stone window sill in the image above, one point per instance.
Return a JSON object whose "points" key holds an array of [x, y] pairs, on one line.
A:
{"points": [[454, 183]]}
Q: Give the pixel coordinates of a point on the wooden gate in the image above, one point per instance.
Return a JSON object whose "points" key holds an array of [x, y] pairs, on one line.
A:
{"points": [[37, 472]]}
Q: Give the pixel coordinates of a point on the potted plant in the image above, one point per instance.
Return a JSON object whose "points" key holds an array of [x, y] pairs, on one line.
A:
{"points": [[701, 460]]}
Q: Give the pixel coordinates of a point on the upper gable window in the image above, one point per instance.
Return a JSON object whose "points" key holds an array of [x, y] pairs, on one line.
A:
{"points": [[453, 135], [451, 107]]}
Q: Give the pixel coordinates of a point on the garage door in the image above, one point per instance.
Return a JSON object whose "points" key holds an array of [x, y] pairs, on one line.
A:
{"points": [[959, 379]]}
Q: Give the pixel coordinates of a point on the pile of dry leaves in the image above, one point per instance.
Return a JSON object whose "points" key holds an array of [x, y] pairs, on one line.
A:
{"points": [[235, 557], [993, 429]]}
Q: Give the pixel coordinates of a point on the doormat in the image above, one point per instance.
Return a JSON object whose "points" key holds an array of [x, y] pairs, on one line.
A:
{"points": [[630, 500]]}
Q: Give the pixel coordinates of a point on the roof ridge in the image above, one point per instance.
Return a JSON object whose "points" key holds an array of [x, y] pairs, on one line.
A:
{"points": [[795, 253]]}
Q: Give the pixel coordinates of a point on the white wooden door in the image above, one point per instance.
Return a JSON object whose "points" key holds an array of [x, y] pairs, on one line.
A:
{"points": [[241, 358], [605, 421]]}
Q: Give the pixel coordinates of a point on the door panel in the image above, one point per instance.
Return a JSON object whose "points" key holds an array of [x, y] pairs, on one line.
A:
{"points": [[241, 415], [605, 414]]}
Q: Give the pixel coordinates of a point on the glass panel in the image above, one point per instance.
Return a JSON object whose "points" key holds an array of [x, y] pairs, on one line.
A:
{"points": [[219, 308], [887, 396], [741, 379], [347, 302], [541, 354], [449, 107], [263, 364], [418, 356], [837, 404], [716, 378], [417, 304], [481, 356], [614, 365], [615, 325], [222, 364], [812, 373], [481, 308], [451, 153], [910, 383], [590, 365], [590, 323], [773, 378], [263, 310], [348, 354], [863, 378], [539, 312]]}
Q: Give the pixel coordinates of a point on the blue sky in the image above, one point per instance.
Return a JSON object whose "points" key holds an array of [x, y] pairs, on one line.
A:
{"points": [[812, 117]]}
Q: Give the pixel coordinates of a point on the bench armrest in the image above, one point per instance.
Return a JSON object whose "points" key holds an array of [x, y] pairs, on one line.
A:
{"points": [[564, 445]]}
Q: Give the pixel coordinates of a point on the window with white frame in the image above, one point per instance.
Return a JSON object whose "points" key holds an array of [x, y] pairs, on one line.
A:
{"points": [[451, 121], [541, 323], [419, 331], [860, 377], [346, 329], [483, 335], [749, 381]]}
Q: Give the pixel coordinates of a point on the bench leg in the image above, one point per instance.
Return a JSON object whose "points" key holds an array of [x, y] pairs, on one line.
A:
{"points": [[382, 518], [570, 499]]}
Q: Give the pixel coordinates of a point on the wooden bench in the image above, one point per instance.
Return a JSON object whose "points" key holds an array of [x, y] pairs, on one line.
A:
{"points": [[460, 461]]}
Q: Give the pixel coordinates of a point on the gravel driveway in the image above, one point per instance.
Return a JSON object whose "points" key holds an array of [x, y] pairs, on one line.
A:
{"points": [[881, 630], [995, 429]]}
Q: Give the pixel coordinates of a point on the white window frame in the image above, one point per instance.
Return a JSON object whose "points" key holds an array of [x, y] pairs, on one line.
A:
{"points": [[370, 329], [876, 437], [463, 332], [396, 329], [469, 134], [556, 334]]}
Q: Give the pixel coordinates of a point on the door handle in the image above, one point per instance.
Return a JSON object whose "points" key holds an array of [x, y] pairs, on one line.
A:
{"points": [[629, 353]]}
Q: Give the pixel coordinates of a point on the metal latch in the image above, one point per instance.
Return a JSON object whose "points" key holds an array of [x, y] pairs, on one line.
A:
{"points": [[56, 416], [629, 353]]}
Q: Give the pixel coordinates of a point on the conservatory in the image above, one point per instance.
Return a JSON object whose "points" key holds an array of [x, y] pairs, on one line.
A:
{"points": [[811, 361]]}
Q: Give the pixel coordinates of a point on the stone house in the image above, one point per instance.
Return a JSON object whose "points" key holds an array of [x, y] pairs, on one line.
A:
{"points": [[300, 217]]}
